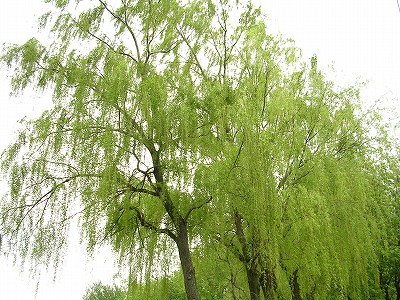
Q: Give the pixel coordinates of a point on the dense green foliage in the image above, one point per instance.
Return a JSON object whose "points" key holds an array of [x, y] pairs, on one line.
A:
{"points": [[185, 132], [98, 291]]}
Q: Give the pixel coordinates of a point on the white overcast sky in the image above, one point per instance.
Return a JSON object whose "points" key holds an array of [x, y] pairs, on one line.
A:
{"points": [[361, 37]]}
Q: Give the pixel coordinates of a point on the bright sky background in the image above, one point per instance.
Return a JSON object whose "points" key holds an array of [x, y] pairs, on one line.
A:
{"points": [[362, 38]]}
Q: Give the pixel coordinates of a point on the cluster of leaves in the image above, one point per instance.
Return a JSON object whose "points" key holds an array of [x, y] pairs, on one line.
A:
{"points": [[98, 291], [168, 287], [187, 132]]}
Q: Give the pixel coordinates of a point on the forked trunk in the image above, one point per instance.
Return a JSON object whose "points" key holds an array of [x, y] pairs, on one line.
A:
{"points": [[189, 276]]}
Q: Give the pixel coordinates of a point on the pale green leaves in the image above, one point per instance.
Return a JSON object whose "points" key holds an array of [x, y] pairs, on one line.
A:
{"points": [[193, 115], [26, 57]]}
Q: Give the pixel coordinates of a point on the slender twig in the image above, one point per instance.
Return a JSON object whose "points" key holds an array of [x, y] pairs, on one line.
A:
{"points": [[124, 22], [237, 156], [191, 51]]}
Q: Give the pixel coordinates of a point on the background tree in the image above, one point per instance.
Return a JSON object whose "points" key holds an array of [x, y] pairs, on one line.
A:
{"points": [[297, 163], [99, 291], [295, 175], [390, 250]]}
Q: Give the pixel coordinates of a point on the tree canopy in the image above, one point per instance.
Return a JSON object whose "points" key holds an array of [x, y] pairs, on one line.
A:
{"points": [[182, 131]]}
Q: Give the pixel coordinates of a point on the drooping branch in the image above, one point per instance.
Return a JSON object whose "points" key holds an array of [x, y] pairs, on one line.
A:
{"points": [[143, 137], [103, 41], [110, 46], [235, 163], [44, 198], [192, 52]]}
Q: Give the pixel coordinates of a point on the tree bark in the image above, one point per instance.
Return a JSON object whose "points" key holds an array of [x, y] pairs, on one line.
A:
{"points": [[295, 286], [387, 293], [253, 279], [397, 284], [181, 239], [253, 276], [189, 276], [267, 284]]}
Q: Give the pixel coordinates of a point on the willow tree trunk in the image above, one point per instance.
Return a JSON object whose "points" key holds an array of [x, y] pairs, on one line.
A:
{"points": [[253, 276], [253, 279], [267, 284], [182, 242], [295, 286], [181, 238], [397, 284]]}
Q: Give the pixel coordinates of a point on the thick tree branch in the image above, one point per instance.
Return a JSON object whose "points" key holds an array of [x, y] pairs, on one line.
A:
{"points": [[149, 225], [241, 236], [142, 190], [197, 207]]}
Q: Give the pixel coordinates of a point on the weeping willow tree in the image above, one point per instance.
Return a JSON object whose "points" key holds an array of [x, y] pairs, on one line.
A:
{"points": [[295, 175], [185, 129], [132, 121]]}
